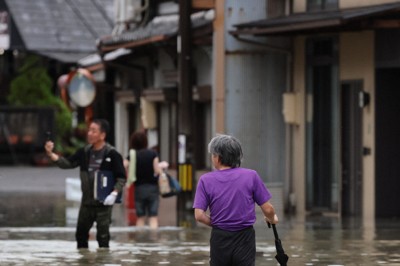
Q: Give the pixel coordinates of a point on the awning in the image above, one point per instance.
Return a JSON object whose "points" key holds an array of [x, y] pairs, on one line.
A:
{"points": [[361, 18], [95, 59], [160, 29], [65, 57]]}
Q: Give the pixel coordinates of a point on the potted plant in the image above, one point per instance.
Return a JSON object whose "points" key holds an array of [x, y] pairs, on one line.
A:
{"points": [[33, 87]]}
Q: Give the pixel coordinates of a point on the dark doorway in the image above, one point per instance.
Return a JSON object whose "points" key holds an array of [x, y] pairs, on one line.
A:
{"points": [[387, 133], [322, 132], [322, 127], [351, 148]]}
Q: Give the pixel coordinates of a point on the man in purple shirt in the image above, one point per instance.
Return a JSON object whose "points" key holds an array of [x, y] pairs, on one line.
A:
{"points": [[230, 193]]}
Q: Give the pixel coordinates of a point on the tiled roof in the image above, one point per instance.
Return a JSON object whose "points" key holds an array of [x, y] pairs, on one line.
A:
{"points": [[160, 26], [62, 26]]}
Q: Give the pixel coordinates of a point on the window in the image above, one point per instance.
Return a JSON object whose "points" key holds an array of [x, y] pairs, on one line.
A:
{"points": [[322, 5], [275, 8]]}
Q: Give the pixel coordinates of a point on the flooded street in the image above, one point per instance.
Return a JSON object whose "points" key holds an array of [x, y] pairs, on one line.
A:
{"points": [[37, 227], [178, 246], [56, 246]]}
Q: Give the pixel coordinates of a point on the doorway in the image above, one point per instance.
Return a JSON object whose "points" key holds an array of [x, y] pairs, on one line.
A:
{"points": [[322, 125], [351, 149], [387, 142]]}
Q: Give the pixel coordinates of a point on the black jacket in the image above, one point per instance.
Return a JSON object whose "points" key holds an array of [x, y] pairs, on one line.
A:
{"points": [[112, 161]]}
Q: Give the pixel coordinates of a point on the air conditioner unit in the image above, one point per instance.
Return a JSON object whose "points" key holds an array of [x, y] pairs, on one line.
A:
{"points": [[128, 10]]}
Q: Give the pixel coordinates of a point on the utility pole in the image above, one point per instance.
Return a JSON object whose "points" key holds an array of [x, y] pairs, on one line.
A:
{"points": [[185, 115]]}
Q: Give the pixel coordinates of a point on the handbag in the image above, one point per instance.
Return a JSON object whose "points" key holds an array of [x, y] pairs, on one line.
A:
{"points": [[131, 168], [168, 185]]}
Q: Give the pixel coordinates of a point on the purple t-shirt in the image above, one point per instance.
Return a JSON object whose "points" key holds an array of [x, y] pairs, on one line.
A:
{"points": [[231, 195]]}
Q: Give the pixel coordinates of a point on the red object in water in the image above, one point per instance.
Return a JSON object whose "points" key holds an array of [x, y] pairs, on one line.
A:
{"points": [[129, 200]]}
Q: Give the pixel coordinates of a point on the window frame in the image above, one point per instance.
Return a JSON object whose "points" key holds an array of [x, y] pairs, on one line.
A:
{"points": [[322, 5]]}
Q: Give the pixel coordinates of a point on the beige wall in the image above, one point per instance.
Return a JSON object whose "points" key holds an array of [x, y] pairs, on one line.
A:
{"points": [[299, 6], [299, 140], [359, 3], [357, 62]]}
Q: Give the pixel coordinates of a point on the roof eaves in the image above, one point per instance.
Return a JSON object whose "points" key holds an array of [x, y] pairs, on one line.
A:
{"points": [[66, 57], [158, 30], [135, 43], [288, 28], [369, 10], [301, 22]]}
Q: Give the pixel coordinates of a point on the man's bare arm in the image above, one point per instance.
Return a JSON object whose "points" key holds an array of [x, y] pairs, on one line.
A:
{"points": [[201, 216]]}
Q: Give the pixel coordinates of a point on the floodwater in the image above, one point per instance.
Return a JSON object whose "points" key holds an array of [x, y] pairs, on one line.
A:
{"points": [[37, 227], [304, 244]]}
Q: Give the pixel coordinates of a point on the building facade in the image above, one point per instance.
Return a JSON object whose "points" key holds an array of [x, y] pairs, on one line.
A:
{"points": [[307, 86], [342, 92], [235, 85]]}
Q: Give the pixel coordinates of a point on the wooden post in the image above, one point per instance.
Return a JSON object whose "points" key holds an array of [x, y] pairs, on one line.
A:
{"points": [[185, 113]]}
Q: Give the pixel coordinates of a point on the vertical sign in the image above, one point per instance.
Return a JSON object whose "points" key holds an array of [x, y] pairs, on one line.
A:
{"points": [[4, 31], [181, 149]]}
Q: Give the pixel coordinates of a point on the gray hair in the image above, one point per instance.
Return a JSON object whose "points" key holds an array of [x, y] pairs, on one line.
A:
{"points": [[227, 148]]}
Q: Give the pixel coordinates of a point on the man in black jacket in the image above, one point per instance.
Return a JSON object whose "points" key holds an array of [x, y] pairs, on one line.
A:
{"points": [[97, 155]]}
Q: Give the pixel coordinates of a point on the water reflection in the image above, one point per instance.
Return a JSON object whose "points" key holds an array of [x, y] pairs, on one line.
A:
{"points": [[168, 245], [32, 209], [38, 229], [178, 246]]}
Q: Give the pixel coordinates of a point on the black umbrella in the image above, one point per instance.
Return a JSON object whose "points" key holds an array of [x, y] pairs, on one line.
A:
{"points": [[281, 257]]}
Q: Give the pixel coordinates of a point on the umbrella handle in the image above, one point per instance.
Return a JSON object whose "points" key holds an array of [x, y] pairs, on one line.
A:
{"points": [[273, 228], [275, 232]]}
